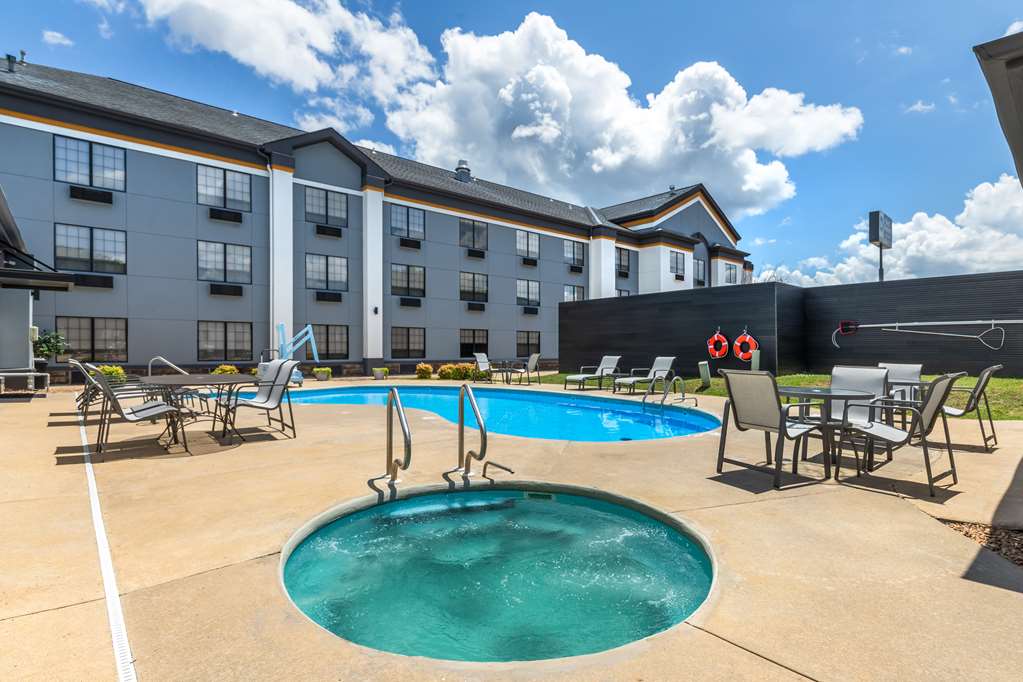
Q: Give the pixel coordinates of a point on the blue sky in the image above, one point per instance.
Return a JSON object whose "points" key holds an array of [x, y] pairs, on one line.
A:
{"points": [[877, 59]]}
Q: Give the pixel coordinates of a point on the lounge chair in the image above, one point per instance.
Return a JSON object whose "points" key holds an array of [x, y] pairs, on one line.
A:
{"points": [[661, 369], [146, 411], [607, 367], [484, 370], [531, 367], [977, 393], [924, 419], [754, 404], [270, 396]]}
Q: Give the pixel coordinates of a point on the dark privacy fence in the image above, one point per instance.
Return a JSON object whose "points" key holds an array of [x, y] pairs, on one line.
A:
{"points": [[794, 325]]}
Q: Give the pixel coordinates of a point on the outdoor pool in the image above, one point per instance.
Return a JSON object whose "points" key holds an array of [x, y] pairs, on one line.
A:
{"points": [[535, 414], [497, 575]]}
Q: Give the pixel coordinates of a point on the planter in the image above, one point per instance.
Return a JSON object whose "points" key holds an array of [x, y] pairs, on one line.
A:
{"points": [[379, 373], [40, 364], [321, 376]]}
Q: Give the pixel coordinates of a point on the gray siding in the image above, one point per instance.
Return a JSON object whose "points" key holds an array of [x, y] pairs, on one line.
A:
{"points": [[693, 219], [323, 162]]}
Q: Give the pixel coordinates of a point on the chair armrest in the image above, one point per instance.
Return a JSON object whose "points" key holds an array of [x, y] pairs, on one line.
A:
{"points": [[639, 370], [593, 368], [962, 389], [877, 404], [606, 371]]}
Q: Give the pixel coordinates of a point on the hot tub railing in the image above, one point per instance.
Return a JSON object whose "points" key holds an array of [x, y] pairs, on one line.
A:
{"points": [[465, 457], [395, 465]]}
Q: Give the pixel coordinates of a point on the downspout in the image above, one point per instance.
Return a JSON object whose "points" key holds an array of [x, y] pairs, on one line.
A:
{"points": [[270, 209]]}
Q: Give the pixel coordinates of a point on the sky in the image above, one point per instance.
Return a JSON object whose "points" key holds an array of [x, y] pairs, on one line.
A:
{"points": [[799, 118]]}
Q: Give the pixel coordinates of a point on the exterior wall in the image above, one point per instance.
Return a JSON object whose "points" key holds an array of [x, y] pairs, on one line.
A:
{"points": [[694, 219], [718, 266], [655, 270], [630, 283], [160, 295], [15, 320]]}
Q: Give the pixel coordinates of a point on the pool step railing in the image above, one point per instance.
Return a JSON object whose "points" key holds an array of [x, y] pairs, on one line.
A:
{"points": [[465, 457], [679, 397], [393, 466], [666, 379]]}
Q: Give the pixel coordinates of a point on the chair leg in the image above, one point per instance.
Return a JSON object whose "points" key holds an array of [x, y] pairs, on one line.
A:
{"points": [[927, 466], [779, 451], [795, 454], [767, 446], [291, 415], [724, 435], [990, 420], [948, 444]]}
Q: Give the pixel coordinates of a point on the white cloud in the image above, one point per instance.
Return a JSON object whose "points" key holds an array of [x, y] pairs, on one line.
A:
{"points": [[56, 38], [108, 6], [952, 99], [986, 236], [1014, 27], [105, 31], [919, 107], [903, 50], [339, 113], [379, 146], [762, 241]]}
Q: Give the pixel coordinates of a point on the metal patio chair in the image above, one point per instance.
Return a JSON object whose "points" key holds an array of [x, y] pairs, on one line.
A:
{"points": [[531, 367], [754, 404], [149, 410], [661, 370], [870, 380], [924, 419], [484, 370], [907, 393], [270, 396], [91, 393], [977, 394], [607, 367]]}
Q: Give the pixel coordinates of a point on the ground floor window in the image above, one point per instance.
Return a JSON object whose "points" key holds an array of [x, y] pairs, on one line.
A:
{"points": [[408, 342], [527, 343], [228, 341], [472, 341], [94, 339], [331, 342], [731, 273]]}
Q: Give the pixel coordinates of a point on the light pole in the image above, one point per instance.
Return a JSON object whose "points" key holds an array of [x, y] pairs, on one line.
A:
{"points": [[880, 234]]}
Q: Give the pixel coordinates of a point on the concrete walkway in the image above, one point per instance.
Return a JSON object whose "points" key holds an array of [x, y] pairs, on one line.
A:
{"points": [[818, 580]]}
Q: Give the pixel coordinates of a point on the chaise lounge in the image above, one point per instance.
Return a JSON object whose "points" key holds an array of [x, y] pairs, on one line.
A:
{"points": [[607, 367]]}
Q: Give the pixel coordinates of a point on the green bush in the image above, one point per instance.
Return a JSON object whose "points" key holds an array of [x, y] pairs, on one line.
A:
{"points": [[446, 372], [460, 372], [113, 373], [385, 370], [48, 344], [225, 369], [424, 370], [323, 370]]}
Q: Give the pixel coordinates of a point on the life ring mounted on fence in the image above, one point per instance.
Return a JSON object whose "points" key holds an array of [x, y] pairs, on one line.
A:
{"points": [[717, 345], [744, 346]]}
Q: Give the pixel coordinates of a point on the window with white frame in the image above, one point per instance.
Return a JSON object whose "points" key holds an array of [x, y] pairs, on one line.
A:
{"points": [[88, 163], [223, 188]]}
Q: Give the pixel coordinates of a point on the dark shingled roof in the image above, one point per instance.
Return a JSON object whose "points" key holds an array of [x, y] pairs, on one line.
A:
{"points": [[126, 98], [644, 204]]}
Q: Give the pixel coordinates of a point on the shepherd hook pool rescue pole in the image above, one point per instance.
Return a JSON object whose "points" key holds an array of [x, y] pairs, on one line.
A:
{"points": [[993, 337]]}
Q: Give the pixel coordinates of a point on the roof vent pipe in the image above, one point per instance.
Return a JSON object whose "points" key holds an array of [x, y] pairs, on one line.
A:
{"points": [[671, 188], [462, 171], [11, 61], [23, 54]]}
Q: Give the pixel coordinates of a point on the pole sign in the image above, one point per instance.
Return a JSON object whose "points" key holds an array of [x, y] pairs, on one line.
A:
{"points": [[880, 230]]}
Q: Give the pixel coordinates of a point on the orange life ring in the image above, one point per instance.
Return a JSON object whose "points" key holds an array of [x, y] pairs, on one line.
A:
{"points": [[717, 345], [744, 346]]}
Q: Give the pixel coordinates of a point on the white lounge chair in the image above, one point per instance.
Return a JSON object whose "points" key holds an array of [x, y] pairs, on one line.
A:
{"points": [[607, 367], [661, 369]]}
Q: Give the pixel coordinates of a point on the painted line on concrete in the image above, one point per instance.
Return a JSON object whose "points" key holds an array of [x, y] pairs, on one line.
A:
{"points": [[125, 662]]}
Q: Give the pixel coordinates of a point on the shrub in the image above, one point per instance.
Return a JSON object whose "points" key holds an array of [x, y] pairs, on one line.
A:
{"points": [[254, 371], [446, 372], [48, 344], [225, 369], [424, 370], [113, 373], [323, 370]]}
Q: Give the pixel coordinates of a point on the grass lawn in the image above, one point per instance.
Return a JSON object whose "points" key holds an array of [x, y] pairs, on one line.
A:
{"points": [[1005, 395]]}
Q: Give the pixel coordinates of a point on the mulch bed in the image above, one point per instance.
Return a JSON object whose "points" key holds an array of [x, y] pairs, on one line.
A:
{"points": [[1008, 543]]}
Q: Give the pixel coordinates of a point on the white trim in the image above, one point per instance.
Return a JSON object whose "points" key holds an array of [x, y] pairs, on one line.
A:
{"points": [[373, 275], [331, 188], [127, 144], [681, 207], [490, 220], [125, 662], [282, 259]]}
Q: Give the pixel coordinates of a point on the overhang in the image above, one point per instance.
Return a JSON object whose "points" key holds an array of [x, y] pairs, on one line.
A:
{"points": [[1002, 63]]}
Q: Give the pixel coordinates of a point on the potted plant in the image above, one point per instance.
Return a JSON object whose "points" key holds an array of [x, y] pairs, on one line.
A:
{"points": [[380, 373], [322, 373], [47, 345]]}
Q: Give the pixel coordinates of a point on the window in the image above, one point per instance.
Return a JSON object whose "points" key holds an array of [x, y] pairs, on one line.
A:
{"points": [[408, 280], [472, 234], [747, 276], [471, 341], [326, 208], [94, 339], [574, 293], [408, 222], [408, 342], [473, 286], [225, 341], [225, 262], [326, 272], [90, 249], [622, 292], [331, 342], [88, 163], [527, 343], [731, 273], [527, 244], [621, 260], [527, 292], [677, 263], [224, 188], [700, 266], [574, 252]]}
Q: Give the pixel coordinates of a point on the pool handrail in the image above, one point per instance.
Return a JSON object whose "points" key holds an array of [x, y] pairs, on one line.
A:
{"points": [[465, 458], [165, 361], [393, 465]]}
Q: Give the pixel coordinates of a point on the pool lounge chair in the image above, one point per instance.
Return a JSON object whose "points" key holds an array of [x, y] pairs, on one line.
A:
{"points": [[607, 367], [661, 369], [977, 393]]}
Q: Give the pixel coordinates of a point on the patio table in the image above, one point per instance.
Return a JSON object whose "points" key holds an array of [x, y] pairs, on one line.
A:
{"points": [[826, 395], [229, 383]]}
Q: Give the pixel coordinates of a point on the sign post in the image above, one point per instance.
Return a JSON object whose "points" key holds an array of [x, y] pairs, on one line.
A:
{"points": [[880, 232]]}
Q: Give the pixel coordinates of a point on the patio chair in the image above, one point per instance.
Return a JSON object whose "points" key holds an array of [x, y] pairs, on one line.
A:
{"points": [[607, 367], [92, 394], [924, 419], [870, 380], [661, 369], [977, 393], [531, 367], [484, 370], [270, 396], [754, 404], [147, 411], [903, 372]]}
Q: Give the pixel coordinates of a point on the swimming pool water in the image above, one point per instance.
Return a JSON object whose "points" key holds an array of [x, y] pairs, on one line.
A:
{"points": [[535, 414], [498, 575]]}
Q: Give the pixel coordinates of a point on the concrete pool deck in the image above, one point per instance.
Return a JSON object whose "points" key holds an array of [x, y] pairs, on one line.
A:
{"points": [[855, 580]]}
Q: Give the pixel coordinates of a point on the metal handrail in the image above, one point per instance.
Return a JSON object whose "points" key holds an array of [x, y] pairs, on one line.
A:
{"points": [[394, 465], [465, 458], [166, 362], [669, 385], [667, 379]]}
